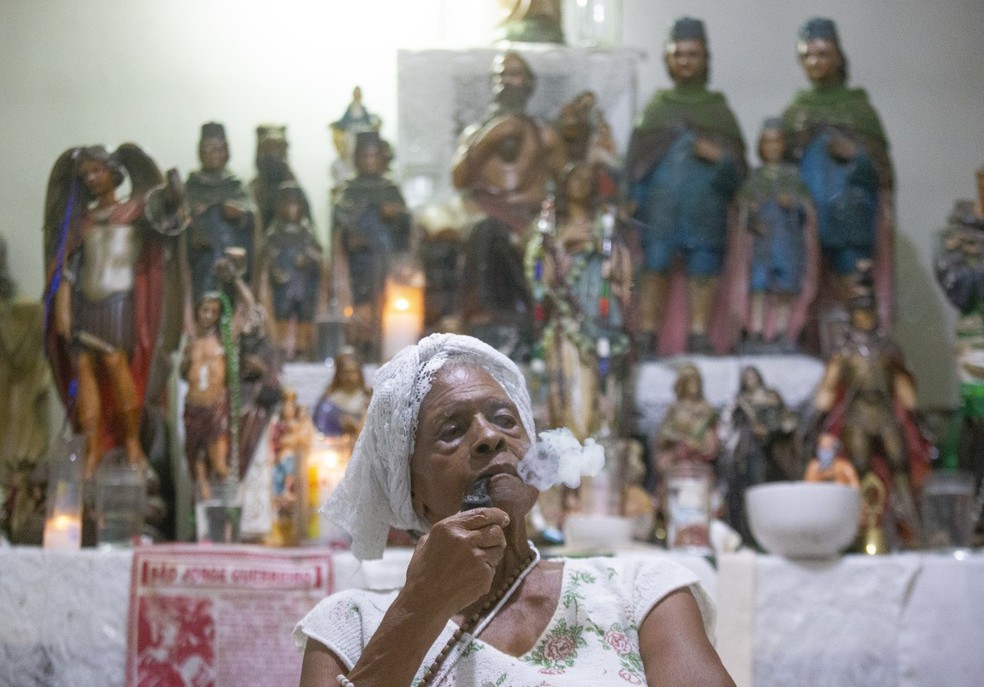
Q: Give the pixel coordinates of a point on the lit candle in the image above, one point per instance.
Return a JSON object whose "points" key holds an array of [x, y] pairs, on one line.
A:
{"points": [[63, 532], [326, 466], [403, 315]]}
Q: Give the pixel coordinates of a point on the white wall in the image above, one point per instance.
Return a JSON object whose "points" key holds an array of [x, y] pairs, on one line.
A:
{"points": [[108, 71]]}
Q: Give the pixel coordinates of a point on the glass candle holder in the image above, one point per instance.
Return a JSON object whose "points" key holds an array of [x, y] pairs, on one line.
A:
{"points": [[63, 518]]}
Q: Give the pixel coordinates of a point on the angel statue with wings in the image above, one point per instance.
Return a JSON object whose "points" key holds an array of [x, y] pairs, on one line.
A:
{"points": [[112, 299]]}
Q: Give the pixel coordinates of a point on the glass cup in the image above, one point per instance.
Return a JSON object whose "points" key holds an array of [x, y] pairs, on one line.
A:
{"points": [[120, 494], [948, 510], [688, 507], [219, 514]]}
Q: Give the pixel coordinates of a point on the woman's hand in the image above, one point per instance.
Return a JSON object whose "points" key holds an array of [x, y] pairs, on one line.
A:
{"points": [[455, 562]]}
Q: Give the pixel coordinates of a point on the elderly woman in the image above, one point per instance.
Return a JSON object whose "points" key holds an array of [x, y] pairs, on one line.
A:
{"points": [[479, 606]]}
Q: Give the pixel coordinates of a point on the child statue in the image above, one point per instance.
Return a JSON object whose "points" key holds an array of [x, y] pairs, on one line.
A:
{"points": [[293, 274], [777, 212]]}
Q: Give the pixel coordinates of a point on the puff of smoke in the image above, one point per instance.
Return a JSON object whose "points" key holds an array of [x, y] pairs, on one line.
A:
{"points": [[558, 457]]}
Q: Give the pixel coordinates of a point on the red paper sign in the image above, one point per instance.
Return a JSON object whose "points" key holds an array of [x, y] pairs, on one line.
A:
{"points": [[202, 616]]}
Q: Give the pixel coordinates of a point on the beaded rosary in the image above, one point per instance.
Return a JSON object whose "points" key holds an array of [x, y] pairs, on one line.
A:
{"points": [[475, 622]]}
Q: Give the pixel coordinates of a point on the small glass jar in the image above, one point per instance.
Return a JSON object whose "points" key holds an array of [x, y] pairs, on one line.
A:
{"points": [[688, 507], [594, 23]]}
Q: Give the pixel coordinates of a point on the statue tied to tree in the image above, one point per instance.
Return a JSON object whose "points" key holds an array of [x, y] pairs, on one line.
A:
{"points": [[113, 297]]}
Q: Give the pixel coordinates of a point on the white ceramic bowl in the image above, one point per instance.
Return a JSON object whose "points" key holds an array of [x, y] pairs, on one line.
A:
{"points": [[803, 519]]}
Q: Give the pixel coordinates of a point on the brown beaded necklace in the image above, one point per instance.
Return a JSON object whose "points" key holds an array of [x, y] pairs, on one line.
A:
{"points": [[491, 606]]}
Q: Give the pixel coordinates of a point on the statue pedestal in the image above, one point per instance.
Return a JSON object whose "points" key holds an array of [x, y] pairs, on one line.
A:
{"points": [[795, 377], [443, 91]]}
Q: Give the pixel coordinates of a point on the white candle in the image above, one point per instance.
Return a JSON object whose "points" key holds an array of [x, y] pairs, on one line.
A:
{"points": [[63, 532]]}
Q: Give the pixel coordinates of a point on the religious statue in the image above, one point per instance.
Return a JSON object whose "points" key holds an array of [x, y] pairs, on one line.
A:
{"points": [[761, 445], [292, 435], [867, 398], [372, 238], [272, 170], [222, 213], [830, 464], [355, 120], [783, 254], [503, 164], [960, 273], [840, 147], [581, 279], [24, 415], [293, 274], [586, 137], [113, 298], [686, 161], [531, 21], [254, 366], [205, 366], [688, 431], [341, 410]]}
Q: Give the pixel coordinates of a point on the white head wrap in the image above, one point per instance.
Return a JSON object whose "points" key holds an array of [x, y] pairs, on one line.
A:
{"points": [[375, 492]]}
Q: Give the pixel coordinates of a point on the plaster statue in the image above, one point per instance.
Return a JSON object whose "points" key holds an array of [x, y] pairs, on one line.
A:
{"points": [[293, 274], [113, 296], [867, 398], [372, 234], [843, 155], [776, 211], [686, 161], [24, 415], [355, 120], [960, 273], [503, 164], [272, 170], [535, 21], [582, 278], [830, 464], [223, 215], [341, 410], [205, 366]]}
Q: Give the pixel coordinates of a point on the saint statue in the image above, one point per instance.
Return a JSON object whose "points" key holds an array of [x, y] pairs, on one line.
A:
{"points": [[222, 213], [113, 297], [781, 244], [272, 170], [686, 161], [293, 274], [24, 415], [838, 142]]}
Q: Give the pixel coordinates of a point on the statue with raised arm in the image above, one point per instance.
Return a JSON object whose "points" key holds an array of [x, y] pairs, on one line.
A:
{"points": [[113, 297], [685, 163]]}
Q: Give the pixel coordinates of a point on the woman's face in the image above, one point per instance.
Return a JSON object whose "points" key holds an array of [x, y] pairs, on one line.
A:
{"points": [[467, 428]]}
